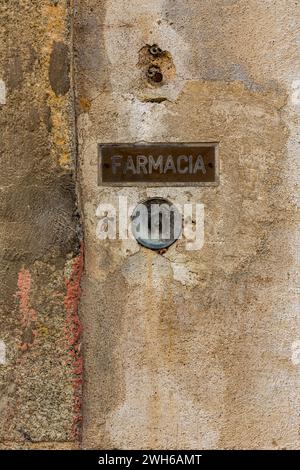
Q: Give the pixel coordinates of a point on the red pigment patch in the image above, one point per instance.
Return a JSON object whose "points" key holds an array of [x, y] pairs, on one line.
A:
{"points": [[29, 315], [73, 331]]}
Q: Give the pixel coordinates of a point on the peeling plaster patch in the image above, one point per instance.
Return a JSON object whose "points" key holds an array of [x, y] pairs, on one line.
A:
{"points": [[145, 121], [155, 29], [238, 73], [2, 92], [296, 353], [295, 94], [182, 274], [2, 353]]}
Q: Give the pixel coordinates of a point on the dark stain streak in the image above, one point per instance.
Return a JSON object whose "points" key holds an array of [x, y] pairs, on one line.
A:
{"points": [[15, 70], [59, 69]]}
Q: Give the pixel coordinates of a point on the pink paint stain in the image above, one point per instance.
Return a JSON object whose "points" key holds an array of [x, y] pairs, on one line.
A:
{"points": [[73, 333]]}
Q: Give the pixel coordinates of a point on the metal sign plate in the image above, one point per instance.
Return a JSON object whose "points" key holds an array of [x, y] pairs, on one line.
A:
{"points": [[156, 164]]}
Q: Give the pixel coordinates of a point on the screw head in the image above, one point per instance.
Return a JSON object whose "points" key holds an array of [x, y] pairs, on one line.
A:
{"points": [[155, 50]]}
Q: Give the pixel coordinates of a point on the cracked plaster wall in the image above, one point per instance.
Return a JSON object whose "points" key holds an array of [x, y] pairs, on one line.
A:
{"points": [[193, 349]]}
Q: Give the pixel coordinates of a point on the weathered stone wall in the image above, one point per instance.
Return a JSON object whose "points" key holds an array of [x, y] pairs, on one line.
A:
{"points": [[185, 349], [194, 349], [40, 255]]}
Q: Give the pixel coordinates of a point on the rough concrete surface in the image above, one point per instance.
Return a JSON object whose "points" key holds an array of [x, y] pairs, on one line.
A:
{"points": [[194, 349], [39, 229]]}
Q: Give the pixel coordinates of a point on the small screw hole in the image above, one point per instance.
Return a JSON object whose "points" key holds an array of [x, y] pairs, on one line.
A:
{"points": [[155, 74]]}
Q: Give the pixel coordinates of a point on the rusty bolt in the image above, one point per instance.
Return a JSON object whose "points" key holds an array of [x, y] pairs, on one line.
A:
{"points": [[155, 50], [154, 73]]}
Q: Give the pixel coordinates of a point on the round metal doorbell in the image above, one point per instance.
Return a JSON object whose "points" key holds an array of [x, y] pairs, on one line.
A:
{"points": [[156, 223]]}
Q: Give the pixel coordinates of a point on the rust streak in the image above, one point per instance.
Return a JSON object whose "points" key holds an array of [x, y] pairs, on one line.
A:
{"points": [[73, 333]]}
